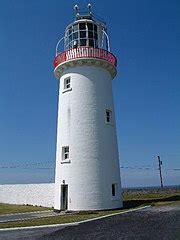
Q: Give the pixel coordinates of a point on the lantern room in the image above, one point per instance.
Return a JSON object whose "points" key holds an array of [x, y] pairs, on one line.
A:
{"points": [[85, 42], [86, 31]]}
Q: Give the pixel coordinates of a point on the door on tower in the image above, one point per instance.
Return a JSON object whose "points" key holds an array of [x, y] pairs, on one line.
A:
{"points": [[64, 197]]}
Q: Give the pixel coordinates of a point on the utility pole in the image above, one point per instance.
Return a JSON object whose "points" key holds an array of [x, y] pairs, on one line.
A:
{"points": [[160, 172]]}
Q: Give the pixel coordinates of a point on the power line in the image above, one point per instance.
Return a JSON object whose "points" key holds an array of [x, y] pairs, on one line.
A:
{"points": [[27, 164], [174, 169], [38, 165]]}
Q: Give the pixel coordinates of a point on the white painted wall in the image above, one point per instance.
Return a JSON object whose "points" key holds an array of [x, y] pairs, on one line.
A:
{"points": [[94, 161], [33, 194]]}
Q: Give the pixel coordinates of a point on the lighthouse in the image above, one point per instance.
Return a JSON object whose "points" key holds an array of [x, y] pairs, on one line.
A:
{"points": [[87, 174]]}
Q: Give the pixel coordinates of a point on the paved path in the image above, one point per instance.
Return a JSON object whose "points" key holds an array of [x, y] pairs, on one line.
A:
{"points": [[24, 216], [154, 223]]}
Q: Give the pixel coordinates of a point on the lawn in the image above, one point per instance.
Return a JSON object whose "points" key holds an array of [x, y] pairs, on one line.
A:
{"points": [[138, 197], [150, 194], [68, 218], [13, 208]]}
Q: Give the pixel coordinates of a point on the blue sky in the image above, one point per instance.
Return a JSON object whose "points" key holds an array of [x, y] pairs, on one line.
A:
{"points": [[145, 37]]}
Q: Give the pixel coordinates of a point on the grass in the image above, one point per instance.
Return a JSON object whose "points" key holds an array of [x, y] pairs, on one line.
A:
{"points": [[135, 198], [150, 194], [167, 203], [13, 208], [132, 199], [68, 218]]}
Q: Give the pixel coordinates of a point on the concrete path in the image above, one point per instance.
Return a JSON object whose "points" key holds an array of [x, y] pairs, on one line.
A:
{"points": [[25, 216]]}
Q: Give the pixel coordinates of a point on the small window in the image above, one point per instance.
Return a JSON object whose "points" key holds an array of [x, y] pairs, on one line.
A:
{"points": [[70, 30], [95, 43], [75, 35], [82, 42], [65, 153], [70, 37], [91, 42], [75, 27], [70, 45], [82, 34], [95, 35], [113, 189], [95, 28], [90, 34], [82, 26], [67, 83], [108, 116], [90, 26]]}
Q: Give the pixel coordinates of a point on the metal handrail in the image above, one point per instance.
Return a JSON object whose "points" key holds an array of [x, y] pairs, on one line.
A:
{"points": [[107, 37], [57, 45]]}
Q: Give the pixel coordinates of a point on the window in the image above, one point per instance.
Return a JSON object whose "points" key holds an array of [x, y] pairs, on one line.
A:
{"points": [[67, 83], [82, 26], [90, 26], [96, 43], [113, 189], [70, 30], [90, 34], [108, 116], [75, 27], [82, 42], [81, 34], [75, 35], [95, 35], [91, 43], [65, 153], [95, 28]]}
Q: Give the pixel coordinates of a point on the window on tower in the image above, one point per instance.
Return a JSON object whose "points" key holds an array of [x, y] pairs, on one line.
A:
{"points": [[65, 153], [113, 189], [67, 83], [108, 116]]}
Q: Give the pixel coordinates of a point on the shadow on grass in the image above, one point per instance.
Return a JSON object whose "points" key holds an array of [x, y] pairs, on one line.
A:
{"points": [[135, 203]]}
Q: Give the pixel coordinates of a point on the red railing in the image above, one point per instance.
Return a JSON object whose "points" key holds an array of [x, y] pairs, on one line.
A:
{"points": [[84, 52]]}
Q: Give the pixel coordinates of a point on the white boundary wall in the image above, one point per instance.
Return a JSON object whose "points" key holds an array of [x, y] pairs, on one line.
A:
{"points": [[41, 194]]}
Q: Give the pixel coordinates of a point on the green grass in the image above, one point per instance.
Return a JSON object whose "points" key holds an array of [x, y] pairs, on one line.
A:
{"points": [[13, 208], [68, 218], [133, 198], [150, 194], [167, 203]]}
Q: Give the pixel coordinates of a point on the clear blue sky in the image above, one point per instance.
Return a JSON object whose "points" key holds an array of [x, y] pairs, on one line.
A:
{"points": [[145, 37]]}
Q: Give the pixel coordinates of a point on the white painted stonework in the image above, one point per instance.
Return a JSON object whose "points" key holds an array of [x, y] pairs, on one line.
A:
{"points": [[93, 164], [33, 194]]}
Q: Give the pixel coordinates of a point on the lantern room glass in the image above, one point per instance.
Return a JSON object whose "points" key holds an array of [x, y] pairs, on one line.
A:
{"points": [[81, 34]]}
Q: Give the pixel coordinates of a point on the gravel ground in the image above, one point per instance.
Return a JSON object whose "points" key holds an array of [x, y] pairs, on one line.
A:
{"points": [[156, 223]]}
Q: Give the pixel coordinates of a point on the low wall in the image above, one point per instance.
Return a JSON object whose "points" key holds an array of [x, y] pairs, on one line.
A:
{"points": [[33, 194]]}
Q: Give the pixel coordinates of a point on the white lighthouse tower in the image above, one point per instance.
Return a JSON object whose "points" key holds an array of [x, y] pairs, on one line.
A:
{"points": [[87, 173]]}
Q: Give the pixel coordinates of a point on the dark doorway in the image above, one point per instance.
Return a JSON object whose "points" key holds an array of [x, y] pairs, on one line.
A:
{"points": [[64, 197]]}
